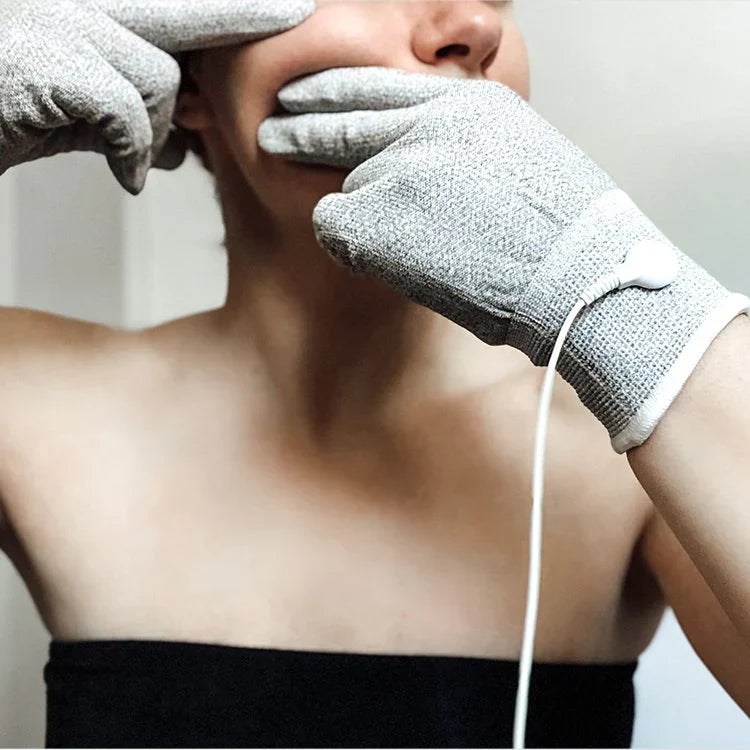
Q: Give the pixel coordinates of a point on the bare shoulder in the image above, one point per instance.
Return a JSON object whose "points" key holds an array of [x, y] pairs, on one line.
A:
{"points": [[46, 362], [29, 338], [26, 334], [41, 350], [64, 367]]}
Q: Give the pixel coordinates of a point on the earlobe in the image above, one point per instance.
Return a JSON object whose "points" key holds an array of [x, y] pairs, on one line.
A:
{"points": [[193, 111]]}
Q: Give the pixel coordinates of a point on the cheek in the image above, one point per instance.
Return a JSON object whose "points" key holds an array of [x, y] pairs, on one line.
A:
{"points": [[244, 95], [250, 81], [511, 66]]}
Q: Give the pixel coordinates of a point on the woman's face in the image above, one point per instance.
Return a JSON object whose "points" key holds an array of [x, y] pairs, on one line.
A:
{"points": [[238, 86]]}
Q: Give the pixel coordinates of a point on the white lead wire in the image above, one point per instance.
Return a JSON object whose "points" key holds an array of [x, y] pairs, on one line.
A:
{"points": [[535, 536]]}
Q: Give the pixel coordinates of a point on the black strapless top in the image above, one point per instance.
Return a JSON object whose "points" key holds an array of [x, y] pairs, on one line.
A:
{"points": [[142, 693]]}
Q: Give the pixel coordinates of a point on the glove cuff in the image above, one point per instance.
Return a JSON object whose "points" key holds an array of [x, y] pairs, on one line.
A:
{"points": [[630, 353], [640, 427]]}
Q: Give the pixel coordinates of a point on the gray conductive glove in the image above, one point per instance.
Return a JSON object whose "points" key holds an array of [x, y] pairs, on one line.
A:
{"points": [[95, 75], [471, 204]]}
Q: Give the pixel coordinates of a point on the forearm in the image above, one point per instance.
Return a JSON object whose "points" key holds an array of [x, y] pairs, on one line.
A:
{"points": [[696, 470]]}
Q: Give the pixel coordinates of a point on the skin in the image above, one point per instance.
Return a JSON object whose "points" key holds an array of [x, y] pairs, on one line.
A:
{"points": [[319, 464], [269, 229]]}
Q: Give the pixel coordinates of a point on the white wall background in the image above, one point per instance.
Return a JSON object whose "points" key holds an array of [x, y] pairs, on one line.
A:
{"points": [[656, 92]]}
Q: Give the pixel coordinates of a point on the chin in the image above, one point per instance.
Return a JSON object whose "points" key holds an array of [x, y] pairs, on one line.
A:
{"points": [[296, 187]]}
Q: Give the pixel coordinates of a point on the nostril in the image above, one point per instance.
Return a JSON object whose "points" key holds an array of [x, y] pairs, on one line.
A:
{"points": [[490, 59], [458, 49]]}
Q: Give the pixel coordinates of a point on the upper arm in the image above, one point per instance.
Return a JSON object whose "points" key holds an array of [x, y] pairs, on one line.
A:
{"points": [[704, 622]]}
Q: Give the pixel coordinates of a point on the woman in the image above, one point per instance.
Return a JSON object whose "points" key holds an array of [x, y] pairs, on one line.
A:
{"points": [[302, 519]]}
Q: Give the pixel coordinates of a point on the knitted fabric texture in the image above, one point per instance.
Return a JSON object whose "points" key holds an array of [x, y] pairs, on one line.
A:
{"points": [[89, 75], [473, 205]]}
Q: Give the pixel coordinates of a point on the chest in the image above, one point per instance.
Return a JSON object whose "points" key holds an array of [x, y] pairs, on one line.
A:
{"points": [[414, 540]]}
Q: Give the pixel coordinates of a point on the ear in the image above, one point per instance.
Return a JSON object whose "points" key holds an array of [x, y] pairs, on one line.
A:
{"points": [[193, 112]]}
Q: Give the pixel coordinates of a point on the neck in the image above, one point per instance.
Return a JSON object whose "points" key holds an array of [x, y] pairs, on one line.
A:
{"points": [[337, 351]]}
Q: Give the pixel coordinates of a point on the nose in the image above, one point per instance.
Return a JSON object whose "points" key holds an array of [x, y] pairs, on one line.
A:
{"points": [[466, 33]]}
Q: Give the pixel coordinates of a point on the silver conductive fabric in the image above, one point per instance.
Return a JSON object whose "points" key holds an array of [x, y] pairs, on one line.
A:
{"points": [[91, 75], [470, 203], [181, 25]]}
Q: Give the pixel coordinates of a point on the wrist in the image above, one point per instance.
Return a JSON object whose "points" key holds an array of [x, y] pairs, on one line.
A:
{"points": [[629, 354], [715, 387], [670, 386]]}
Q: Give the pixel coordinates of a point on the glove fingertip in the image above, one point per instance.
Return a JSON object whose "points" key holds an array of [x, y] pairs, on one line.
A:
{"points": [[301, 10], [272, 137], [131, 173], [323, 210]]}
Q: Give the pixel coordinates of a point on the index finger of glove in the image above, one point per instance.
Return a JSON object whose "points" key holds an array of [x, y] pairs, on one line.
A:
{"points": [[344, 139], [115, 112], [371, 88], [182, 25], [154, 74]]}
